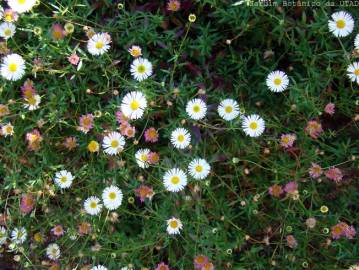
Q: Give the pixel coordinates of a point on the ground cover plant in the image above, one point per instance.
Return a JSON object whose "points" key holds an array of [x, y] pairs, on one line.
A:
{"points": [[174, 134]]}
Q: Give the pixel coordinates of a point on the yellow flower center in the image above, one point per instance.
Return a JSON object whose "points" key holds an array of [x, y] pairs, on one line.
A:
{"points": [[141, 69], [99, 45], [93, 205], [199, 168], [31, 101], [114, 144], [7, 32], [180, 138], [13, 67], [144, 157], [341, 24], [356, 72], [175, 180], [134, 105], [277, 81], [8, 17], [196, 108], [200, 259], [135, 52], [9, 129], [112, 195], [63, 179], [253, 125], [21, 1], [228, 109], [173, 224], [285, 140]]}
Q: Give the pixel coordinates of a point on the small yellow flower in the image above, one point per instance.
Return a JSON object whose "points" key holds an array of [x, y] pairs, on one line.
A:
{"points": [[324, 209], [69, 28], [38, 237], [93, 146], [37, 31], [192, 18]]}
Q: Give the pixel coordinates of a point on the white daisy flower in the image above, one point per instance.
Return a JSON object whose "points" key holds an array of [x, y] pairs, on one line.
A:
{"points": [[98, 44], [142, 158], [174, 225], [228, 109], [18, 235], [92, 205], [175, 180], [63, 179], [199, 168], [2, 235], [341, 24], [133, 105], [21, 6], [7, 130], [32, 103], [53, 251], [196, 109], [99, 267], [113, 143], [353, 72], [7, 30], [356, 42], [13, 67], [141, 69], [277, 81], [180, 138], [112, 197], [253, 125]]}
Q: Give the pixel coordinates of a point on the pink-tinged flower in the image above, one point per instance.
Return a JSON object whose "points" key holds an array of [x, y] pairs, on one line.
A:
{"points": [[57, 32], [151, 135], [330, 108], [121, 118], [144, 192], [287, 140], [27, 203], [200, 261], [86, 123], [162, 266], [34, 140], [129, 131], [342, 229], [208, 266], [10, 15], [135, 51], [291, 241], [291, 187], [275, 190], [153, 158], [70, 143], [173, 5], [334, 174], [28, 89], [74, 59], [58, 230], [314, 128], [315, 171]]}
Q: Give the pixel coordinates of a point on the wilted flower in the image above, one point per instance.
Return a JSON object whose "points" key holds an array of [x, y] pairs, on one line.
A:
{"points": [[275, 190], [144, 192], [287, 140], [57, 32], [330, 108], [10, 15], [86, 123], [34, 139], [200, 261], [342, 229], [291, 241], [153, 158], [28, 89], [173, 5], [314, 128], [27, 203], [291, 187], [151, 135], [162, 266], [70, 143], [58, 230], [4, 110], [84, 228], [73, 59], [315, 171], [311, 222], [334, 174]]}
